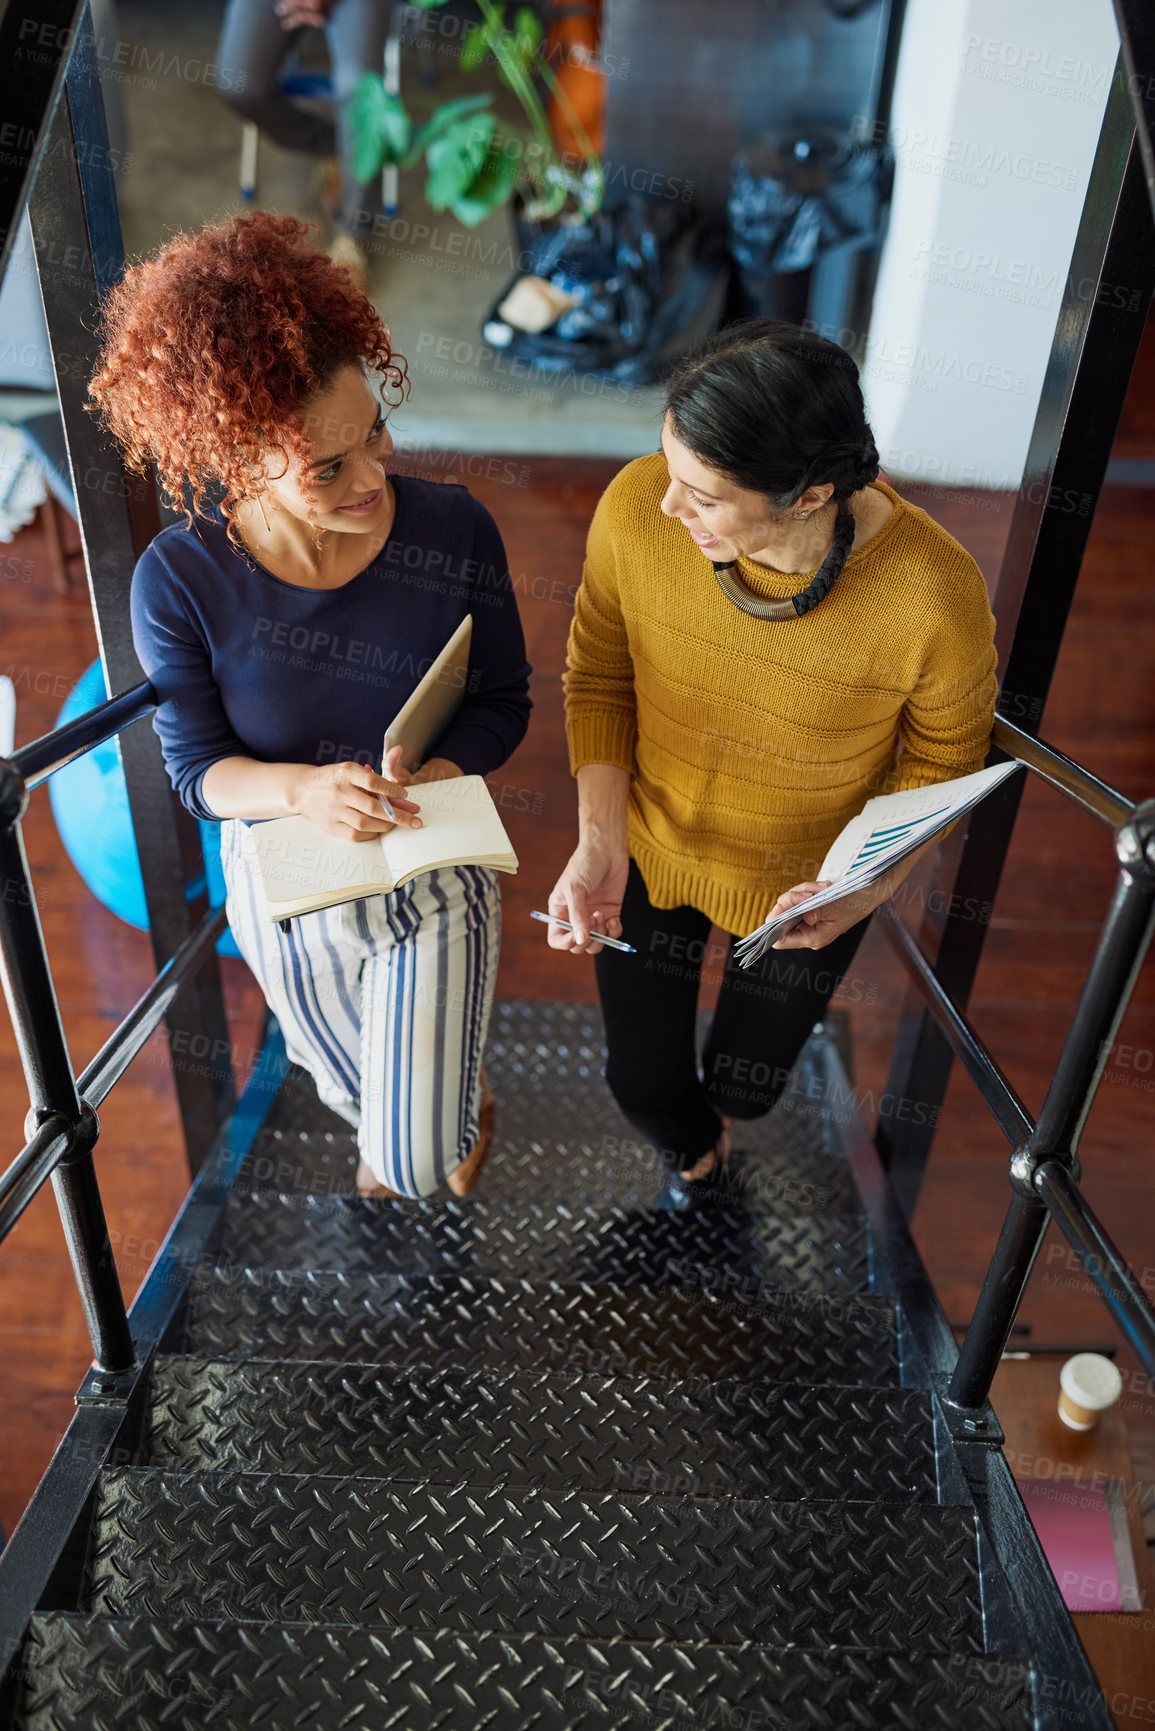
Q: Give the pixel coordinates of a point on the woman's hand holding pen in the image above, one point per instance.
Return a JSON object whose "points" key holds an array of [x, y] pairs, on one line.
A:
{"points": [[589, 895], [346, 799], [589, 891]]}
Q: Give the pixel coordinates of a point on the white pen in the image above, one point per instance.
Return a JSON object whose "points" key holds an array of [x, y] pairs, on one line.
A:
{"points": [[387, 808], [599, 937]]}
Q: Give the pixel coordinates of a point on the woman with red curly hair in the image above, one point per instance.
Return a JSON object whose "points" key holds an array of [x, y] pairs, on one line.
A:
{"points": [[282, 624]]}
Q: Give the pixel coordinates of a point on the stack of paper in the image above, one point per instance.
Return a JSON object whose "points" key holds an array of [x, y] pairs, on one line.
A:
{"points": [[885, 831]]}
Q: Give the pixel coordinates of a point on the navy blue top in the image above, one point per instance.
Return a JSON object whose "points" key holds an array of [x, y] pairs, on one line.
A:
{"points": [[246, 665]]}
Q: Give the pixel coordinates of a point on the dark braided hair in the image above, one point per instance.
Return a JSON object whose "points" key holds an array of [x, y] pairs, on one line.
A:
{"points": [[777, 409]]}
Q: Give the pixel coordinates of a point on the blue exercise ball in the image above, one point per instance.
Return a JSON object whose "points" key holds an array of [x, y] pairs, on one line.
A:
{"points": [[90, 804]]}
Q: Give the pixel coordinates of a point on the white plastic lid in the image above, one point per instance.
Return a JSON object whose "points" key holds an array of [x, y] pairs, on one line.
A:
{"points": [[1091, 1381]]}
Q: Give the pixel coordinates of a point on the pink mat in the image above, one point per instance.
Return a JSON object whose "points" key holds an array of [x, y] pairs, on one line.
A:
{"points": [[1074, 1528]]}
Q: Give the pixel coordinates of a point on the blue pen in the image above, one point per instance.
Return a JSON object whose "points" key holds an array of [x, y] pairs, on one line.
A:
{"points": [[600, 937]]}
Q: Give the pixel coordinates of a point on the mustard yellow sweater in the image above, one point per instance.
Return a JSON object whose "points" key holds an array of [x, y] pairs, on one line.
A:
{"points": [[752, 742]]}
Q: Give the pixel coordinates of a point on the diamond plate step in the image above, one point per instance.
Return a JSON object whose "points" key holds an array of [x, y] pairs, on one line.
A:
{"points": [[318, 1156], [137, 1674], [568, 1137], [555, 1432], [281, 1548], [715, 1245], [506, 1324]]}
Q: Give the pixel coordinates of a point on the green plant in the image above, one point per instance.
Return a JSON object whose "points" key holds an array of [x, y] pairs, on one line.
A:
{"points": [[475, 159]]}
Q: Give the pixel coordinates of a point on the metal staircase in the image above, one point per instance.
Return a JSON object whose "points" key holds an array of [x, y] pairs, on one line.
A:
{"points": [[583, 1451]]}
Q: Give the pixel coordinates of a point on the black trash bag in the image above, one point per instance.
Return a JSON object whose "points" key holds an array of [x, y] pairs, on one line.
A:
{"points": [[647, 288], [794, 198]]}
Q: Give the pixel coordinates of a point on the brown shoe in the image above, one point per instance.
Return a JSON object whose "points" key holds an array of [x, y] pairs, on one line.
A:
{"points": [[368, 1184], [715, 1160], [463, 1178]]}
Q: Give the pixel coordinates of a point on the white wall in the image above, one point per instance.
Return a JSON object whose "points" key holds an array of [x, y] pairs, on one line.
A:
{"points": [[25, 358], [997, 111]]}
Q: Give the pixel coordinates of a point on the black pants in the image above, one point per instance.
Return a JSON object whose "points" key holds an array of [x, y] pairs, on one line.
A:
{"points": [[650, 1001]]}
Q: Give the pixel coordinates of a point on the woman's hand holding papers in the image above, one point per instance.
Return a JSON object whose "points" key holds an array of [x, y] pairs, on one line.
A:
{"points": [[815, 930]]}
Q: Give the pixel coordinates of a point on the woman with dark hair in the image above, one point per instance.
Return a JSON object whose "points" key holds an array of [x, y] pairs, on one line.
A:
{"points": [[765, 635], [284, 626]]}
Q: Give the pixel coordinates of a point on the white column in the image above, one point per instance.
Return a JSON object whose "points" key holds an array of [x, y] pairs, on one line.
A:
{"points": [[997, 111]]}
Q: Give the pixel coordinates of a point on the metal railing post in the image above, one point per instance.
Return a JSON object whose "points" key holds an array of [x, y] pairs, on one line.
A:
{"points": [[1053, 1144], [52, 1090], [1019, 1242], [24, 963], [89, 1246], [1097, 337], [1106, 991], [33, 64], [1121, 1292], [73, 213]]}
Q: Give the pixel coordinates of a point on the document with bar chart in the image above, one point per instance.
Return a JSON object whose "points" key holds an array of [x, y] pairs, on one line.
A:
{"points": [[885, 831]]}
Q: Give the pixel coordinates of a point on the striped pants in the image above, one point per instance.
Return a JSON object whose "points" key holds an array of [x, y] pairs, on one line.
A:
{"points": [[386, 1003]]}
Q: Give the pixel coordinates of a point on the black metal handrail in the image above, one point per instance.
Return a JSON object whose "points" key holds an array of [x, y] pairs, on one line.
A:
{"points": [[1097, 336], [30, 92], [146, 1015], [73, 212], [35, 1163], [1121, 1291], [44, 756], [1013, 1118], [63, 1127], [53, 1139], [1137, 45], [1062, 772], [1044, 1167]]}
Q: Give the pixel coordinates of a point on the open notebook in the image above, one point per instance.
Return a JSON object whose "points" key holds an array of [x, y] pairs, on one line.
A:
{"points": [[302, 868]]}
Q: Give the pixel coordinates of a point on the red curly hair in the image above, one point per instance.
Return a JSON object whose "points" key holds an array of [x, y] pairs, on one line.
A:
{"points": [[213, 346]]}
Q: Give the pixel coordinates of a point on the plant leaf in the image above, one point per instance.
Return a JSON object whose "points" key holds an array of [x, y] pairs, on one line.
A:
{"points": [[441, 120], [487, 191], [527, 32], [547, 206], [456, 158], [476, 46], [380, 126], [428, 5], [396, 127]]}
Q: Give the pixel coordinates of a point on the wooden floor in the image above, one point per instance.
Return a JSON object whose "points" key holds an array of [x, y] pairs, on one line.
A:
{"points": [[1055, 891]]}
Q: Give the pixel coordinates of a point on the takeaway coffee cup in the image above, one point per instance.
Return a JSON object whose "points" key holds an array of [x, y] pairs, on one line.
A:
{"points": [[1088, 1385]]}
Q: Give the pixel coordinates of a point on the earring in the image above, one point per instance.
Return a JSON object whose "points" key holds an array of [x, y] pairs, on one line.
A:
{"points": [[804, 513], [261, 509]]}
